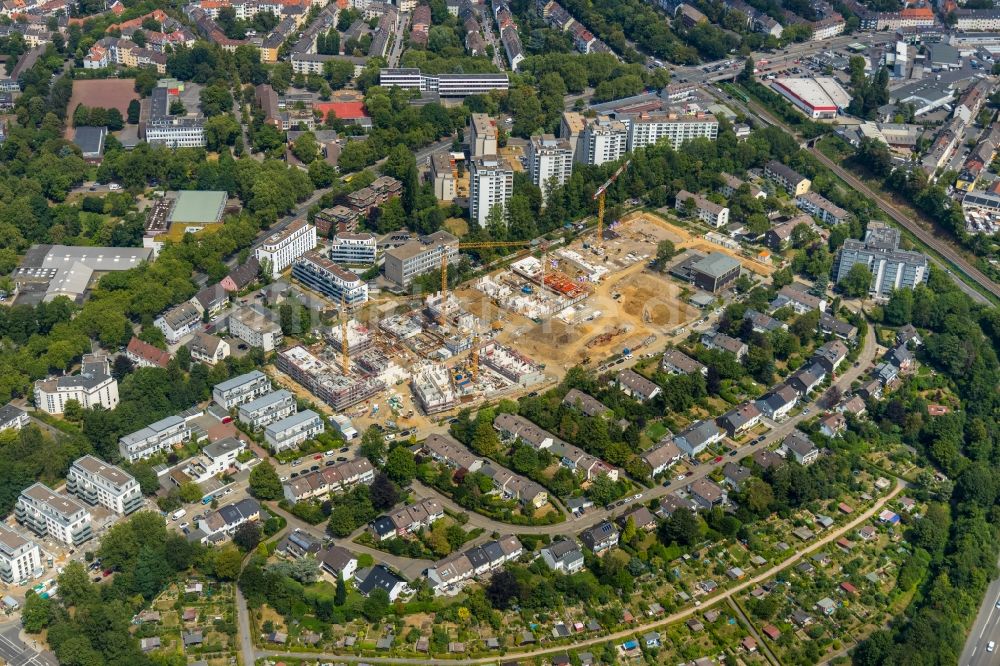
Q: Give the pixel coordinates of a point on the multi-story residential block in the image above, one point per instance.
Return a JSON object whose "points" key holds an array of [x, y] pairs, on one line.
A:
{"points": [[820, 207], [93, 387], [603, 140], [707, 211], [238, 390], [789, 179], [673, 128], [208, 348], [12, 418], [291, 431], [338, 284], [97, 482], [550, 161], [491, 184], [482, 135], [419, 256], [339, 218], [977, 20], [571, 128], [444, 176], [267, 409], [166, 129], [145, 355], [891, 268], [50, 514], [255, 329], [178, 321], [353, 249], [281, 249], [20, 558], [367, 199], [158, 436]]}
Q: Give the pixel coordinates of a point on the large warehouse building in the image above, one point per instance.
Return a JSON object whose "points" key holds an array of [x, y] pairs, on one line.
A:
{"points": [[819, 97]]}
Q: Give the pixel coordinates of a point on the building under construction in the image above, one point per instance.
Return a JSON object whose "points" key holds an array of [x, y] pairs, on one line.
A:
{"points": [[508, 363], [433, 389], [359, 338], [325, 380]]}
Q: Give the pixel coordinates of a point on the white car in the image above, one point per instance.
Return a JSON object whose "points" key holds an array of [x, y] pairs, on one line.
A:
{"points": [[183, 525], [991, 646], [680, 477]]}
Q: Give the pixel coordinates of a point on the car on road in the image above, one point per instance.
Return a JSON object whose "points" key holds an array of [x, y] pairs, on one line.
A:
{"points": [[295, 475], [733, 453], [344, 450], [314, 468], [331, 462], [805, 412], [620, 503], [761, 438], [229, 491], [637, 496], [609, 507], [318, 456], [680, 477], [183, 525], [341, 458], [689, 474], [992, 645], [717, 459], [284, 478], [296, 462], [97, 579]]}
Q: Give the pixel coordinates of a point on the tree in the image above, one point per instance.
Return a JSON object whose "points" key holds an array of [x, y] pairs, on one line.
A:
{"points": [[305, 148], [220, 131], [376, 606], [340, 596], [373, 445], [603, 490], [133, 112], [36, 614], [190, 492], [247, 536], [485, 440], [857, 281], [215, 99], [682, 528], [401, 466], [264, 482], [384, 492], [228, 562], [665, 250], [503, 590]]}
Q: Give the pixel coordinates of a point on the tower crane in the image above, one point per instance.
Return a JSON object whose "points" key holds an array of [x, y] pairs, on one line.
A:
{"points": [[345, 354], [599, 195]]}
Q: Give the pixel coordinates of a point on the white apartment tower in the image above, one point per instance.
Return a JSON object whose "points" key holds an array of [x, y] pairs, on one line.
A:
{"points": [[48, 513], [283, 248], [603, 140], [93, 387], [482, 135], [97, 482], [550, 161], [19, 557], [648, 129], [491, 183]]}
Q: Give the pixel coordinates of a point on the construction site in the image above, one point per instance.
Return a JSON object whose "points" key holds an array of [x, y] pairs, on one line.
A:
{"points": [[513, 329]]}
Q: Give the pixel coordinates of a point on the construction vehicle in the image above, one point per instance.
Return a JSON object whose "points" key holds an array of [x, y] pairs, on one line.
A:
{"points": [[599, 195]]}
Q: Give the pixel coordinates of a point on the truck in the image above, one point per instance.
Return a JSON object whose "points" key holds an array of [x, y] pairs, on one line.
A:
{"points": [[179, 513]]}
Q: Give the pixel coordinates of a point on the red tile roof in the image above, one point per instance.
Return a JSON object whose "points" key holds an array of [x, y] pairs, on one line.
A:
{"points": [[342, 110]]}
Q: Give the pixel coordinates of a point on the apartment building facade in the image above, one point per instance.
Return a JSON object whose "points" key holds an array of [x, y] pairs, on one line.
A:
{"points": [[267, 409], [292, 430], [20, 558], [491, 184], [50, 514], [550, 161], [280, 250], [255, 329], [238, 390], [603, 140], [93, 387], [158, 436], [353, 249], [96, 482], [419, 256], [324, 276]]}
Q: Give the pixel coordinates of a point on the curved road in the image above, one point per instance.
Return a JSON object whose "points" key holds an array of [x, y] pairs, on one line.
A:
{"points": [[408, 566], [707, 601]]}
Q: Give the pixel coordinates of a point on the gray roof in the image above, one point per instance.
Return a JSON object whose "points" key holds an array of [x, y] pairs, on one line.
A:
{"points": [[716, 264], [239, 381], [90, 140], [222, 447]]}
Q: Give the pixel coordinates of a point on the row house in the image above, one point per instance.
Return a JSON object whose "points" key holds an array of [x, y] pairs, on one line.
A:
{"points": [[474, 562], [328, 480], [406, 520]]}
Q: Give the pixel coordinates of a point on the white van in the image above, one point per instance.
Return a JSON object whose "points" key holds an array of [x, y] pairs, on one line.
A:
{"points": [[179, 513]]}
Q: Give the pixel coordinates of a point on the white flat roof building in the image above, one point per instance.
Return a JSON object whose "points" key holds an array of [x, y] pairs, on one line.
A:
{"points": [[291, 431], [238, 390], [281, 249], [93, 387], [48, 513], [20, 558], [158, 436], [820, 97], [255, 329], [97, 482], [267, 409], [491, 184]]}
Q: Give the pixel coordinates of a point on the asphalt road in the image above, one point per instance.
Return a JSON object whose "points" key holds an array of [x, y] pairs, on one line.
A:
{"points": [[986, 628], [15, 653]]}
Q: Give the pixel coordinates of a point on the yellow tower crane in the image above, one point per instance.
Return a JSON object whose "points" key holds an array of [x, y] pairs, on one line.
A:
{"points": [[345, 354], [599, 195]]}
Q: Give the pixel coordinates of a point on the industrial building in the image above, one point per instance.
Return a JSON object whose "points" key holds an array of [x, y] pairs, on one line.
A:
{"points": [[715, 272], [820, 98]]}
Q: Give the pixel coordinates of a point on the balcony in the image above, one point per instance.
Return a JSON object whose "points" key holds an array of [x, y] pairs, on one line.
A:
{"points": [[131, 504], [82, 534]]}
